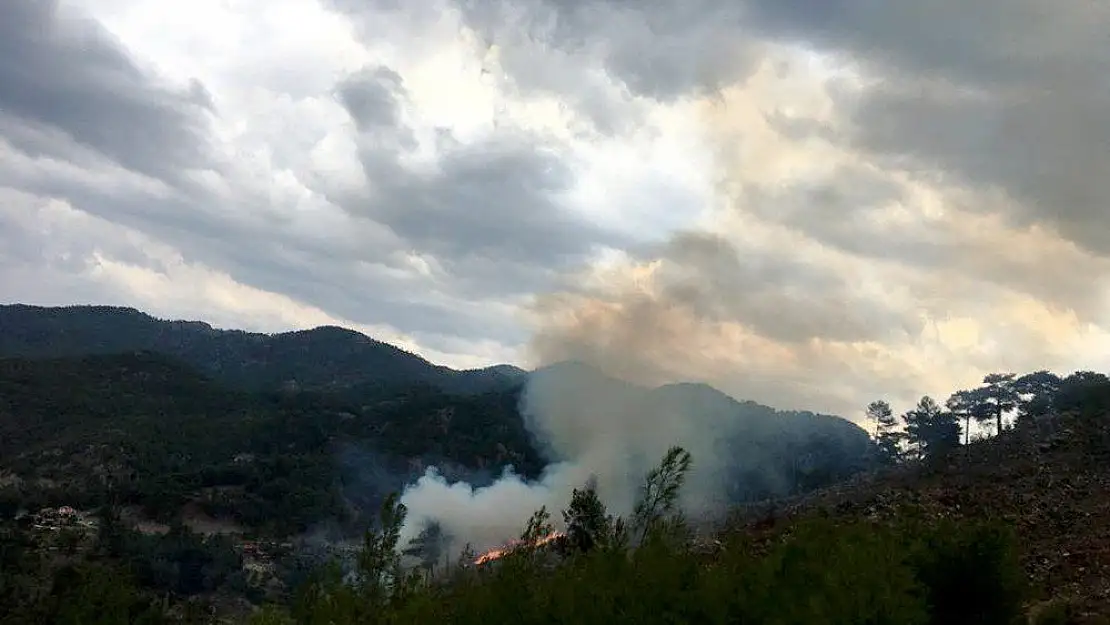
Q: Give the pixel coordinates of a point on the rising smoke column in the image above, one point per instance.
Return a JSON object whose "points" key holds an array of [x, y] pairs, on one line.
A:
{"points": [[593, 427]]}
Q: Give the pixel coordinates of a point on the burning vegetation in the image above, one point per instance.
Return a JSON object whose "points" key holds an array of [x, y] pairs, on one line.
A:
{"points": [[986, 533], [646, 568], [513, 545]]}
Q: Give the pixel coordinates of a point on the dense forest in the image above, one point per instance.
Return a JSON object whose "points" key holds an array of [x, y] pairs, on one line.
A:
{"points": [[138, 486]]}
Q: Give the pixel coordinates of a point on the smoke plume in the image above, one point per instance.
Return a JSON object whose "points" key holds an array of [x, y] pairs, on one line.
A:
{"points": [[592, 428]]}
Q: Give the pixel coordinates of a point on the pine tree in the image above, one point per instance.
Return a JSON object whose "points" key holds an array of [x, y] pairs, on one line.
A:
{"points": [[997, 397], [659, 495], [930, 429], [587, 525], [888, 438]]}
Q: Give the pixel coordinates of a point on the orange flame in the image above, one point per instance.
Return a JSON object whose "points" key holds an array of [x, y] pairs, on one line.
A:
{"points": [[494, 554]]}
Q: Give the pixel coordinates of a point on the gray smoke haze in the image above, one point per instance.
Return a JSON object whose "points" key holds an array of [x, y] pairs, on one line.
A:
{"points": [[592, 427], [596, 428]]}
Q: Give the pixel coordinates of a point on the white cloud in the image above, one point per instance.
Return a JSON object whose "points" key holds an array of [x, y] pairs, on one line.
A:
{"points": [[529, 150]]}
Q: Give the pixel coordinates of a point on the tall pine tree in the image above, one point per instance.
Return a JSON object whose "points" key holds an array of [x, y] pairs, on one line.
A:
{"points": [[888, 438]]}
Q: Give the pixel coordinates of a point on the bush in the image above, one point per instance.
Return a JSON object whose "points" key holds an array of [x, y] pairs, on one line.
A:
{"points": [[971, 573], [912, 572]]}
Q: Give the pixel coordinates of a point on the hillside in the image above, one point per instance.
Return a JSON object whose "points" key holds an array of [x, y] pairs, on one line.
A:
{"points": [[764, 452], [1050, 486], [1008, 529], [411, 411], [323, 358], [174, 443], [161, 434]]}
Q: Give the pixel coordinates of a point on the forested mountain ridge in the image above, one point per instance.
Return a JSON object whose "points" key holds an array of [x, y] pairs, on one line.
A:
{"points": [[323, 358], [164, 435], [175, 425], [985, 532], [159, 434]]}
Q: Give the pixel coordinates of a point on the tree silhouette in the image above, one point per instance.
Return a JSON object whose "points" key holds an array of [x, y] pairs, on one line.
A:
{"points": [[587, 525], [996, 397], [966, 405], [930, 429], [888, 438], [429, 546], [659, 494]]}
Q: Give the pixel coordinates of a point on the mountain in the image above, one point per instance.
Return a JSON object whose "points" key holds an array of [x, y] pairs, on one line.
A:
{"points": [[153, 432], [176, 413], [756, 451], [323, 358]]}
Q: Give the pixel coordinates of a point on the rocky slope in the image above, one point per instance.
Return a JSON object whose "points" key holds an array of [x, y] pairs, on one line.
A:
{"points": [[1052, 487]]}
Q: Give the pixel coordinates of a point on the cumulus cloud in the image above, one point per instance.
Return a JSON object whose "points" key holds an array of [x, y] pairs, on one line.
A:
{"points": [[393, 221], [900, 195], [808, 203], [63, 72], [811, 204]]}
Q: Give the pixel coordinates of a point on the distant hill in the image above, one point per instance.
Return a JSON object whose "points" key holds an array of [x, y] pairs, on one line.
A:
{"points": [[323, 358], [177, 412], [767, 452], [159, 434]]}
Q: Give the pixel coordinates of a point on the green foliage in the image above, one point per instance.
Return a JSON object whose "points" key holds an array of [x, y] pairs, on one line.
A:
{"points": [[429, 546], [658, 502], [100, 403], [378, 587], [930, 430], [1084, 393], [379, 564], [538, 526], [271, 615], [1037, 393], [998, 396], [971, 573], [965, 406], [1063, 611], [903, 573], [93, 594], [145, 430], [888, 438], [324, 358], [587, 525], [74, 592], [182, 562], [254, 439]]}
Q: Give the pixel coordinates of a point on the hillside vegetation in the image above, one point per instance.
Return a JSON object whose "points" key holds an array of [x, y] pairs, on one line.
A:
{"points": [[324, 358], [1004, 530], [920, 524], [234, 441]]}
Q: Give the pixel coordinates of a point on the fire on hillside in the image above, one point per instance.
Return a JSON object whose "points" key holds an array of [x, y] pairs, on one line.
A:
{"points": [[500, 552]]}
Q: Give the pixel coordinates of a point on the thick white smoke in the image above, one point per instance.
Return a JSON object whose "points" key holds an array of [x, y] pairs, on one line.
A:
{"points": [[593, 427]]}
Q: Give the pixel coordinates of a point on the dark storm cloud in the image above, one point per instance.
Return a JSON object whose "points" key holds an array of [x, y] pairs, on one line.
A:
{"points": [[370, 96], [658, 49], [496, 199], [1007, 94], [997, 94], [493, 201], [990, 43], [488, 221], [65, 72]]}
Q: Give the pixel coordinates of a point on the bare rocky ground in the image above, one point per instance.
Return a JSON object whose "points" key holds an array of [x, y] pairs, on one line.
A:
{"points": [[1052, 487]]}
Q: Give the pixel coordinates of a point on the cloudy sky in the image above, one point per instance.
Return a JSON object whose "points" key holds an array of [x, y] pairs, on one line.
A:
{"points": [[810, 203]]}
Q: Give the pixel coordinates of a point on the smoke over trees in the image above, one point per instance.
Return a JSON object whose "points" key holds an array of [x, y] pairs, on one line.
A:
{"points": [[606, 432], [904, 572]]}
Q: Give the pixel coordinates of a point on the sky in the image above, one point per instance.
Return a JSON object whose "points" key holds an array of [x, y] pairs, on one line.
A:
{"points": [[807, 203]]}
